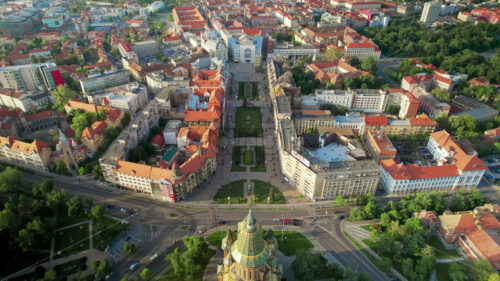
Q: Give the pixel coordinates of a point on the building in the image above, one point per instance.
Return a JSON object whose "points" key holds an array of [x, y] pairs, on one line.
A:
{"points": [[55, 18], [34, 155], [462, 105], [31, 77], [335, 72], [160, 80], [246, 49], [409, 106], [364, 100], [455, 169], [362, 50], [21, 22], [430, 13], [249, 256], [146, 48], [380, 146], [68, 153], [128, 97], [475, 233], [102, 81], [189, 19]]}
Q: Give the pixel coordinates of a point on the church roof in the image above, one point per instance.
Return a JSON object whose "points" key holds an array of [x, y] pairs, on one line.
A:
{"points": [[250, 249]]}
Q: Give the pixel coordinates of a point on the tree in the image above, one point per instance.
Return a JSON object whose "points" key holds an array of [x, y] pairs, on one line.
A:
{"points": [[50, 275], [385, 263], [339, 200], [369, 65], [357, 214], [61, 168], [125, 120], [82, 171], [75, 206], [407, 267], [371, 209], [146, 274], [175, 260], [482, 270], [104, 268], [456, 272], [196, 246], [332, 54], [62, 95], [97, 212], [26, 240], [129, 248], [442, 95]]}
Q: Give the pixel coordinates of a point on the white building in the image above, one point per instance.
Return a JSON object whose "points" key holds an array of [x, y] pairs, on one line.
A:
{"points": [[455, 169], [106, 80], [246, 48], [431, 11], [364, 100], [216, 49], [128, 97]]}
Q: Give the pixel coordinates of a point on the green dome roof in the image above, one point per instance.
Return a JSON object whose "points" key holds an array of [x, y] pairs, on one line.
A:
{"points": [[250, 249]]}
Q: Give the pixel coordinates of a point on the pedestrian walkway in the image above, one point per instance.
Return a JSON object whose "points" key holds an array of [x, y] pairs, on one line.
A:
{"points": [[210, 273]]}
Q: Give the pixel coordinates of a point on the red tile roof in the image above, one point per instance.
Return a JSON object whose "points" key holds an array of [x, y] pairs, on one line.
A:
{"points": [[40, 115], [376, 121]]}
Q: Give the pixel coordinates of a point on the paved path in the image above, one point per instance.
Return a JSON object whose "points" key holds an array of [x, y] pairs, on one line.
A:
{"points": [[210, 273]]}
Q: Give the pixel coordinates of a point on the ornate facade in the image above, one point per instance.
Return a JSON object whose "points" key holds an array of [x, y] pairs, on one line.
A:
{"points": [[249, 256]]}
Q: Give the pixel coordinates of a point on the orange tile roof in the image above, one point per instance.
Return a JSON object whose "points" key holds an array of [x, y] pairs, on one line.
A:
{"points": [[97, 128], [201, 116], [463, 161], [40, 115], [422, 120], [23, 147], [134, 169], [75, 104], [486, 245], [398, 171], [376, 121]]}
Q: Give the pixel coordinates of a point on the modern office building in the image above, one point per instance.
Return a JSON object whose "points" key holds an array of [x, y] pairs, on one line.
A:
{"points": [[128, 97], [30, 77], [102, 81], [23, 21], [430, 13]]}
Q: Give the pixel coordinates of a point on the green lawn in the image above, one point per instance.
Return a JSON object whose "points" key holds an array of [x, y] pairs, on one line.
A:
{"points": [[71, 267], [293, 242], [248, 157], [72, 240], [234, 190], [262, 192], [248, 90], [442, 271], [196, 276], [440, 251], [248, 122], [236, 157], [260, 160], [216, 237], [105, 231]]}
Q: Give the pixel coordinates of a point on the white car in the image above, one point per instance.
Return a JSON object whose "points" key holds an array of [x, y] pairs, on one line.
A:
{"points": [[123, 210], [276, 219]]}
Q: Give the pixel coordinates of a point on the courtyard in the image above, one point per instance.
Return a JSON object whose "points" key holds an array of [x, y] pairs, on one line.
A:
{"points": [[248, 90]]}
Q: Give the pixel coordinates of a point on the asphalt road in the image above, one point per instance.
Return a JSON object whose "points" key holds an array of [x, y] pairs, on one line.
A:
{"points": [[161, 230]]}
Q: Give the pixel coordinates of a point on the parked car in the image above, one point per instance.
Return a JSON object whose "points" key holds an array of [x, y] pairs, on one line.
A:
{"points": [[123, 210], [110, 206], [109, 276], [134, 266]]}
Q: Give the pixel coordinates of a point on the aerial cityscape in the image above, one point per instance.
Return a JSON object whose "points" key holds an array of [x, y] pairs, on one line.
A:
{"points": [[250, 140]]}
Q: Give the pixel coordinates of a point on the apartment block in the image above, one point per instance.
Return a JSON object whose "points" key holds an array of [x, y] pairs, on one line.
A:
{"points": [[128, 97], [31, 77], [34, 155], [102, 81]]}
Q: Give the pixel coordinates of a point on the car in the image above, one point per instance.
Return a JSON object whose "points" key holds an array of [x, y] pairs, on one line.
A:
{"points": [[123, 210], [297, 222], [109, 276], [134, 266], [153, 257], [131, 212], [110, 206], [221, 222], [276, 220], [127, 239]]}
